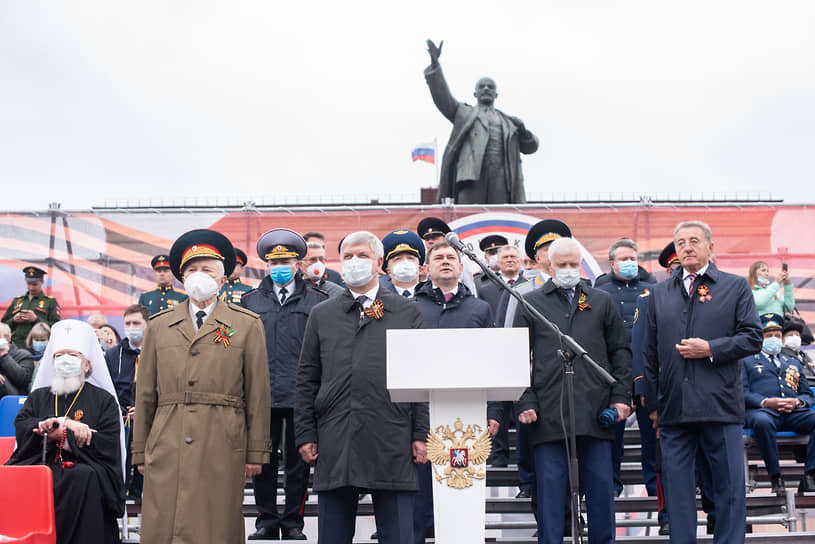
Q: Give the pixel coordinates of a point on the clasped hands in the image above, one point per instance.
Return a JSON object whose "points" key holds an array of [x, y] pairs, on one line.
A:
{"points": [[781, 405], [82, 433]]}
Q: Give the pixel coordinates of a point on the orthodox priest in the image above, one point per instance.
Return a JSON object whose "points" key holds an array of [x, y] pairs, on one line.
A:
{"points": [[74, 405]]}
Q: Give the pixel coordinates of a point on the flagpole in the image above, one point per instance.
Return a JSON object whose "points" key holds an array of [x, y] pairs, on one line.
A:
{"points": [[436, 159]]}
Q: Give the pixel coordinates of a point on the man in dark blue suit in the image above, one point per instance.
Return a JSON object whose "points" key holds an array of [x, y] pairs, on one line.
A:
{"points": [[778, 398], [701, 322]]}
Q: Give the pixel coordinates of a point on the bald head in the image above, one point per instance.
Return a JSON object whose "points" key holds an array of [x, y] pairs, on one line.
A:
{"points": [[486, 91]]}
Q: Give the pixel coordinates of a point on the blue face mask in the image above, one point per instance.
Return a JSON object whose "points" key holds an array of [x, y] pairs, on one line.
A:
{"points": [[39, 345], [281, 274], [772, 345], [629, 270]]}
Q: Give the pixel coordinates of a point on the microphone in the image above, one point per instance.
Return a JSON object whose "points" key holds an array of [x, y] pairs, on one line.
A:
{"points": [[453, 239]]}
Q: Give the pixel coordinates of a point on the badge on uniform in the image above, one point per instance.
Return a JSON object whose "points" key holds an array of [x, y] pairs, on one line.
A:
{"points": [[704, 293], [759, 367], [791, 377], [582, 303]]}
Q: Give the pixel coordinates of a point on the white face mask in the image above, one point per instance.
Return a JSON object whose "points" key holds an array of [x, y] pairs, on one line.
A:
{"points": [[793, 341], [200, 286], [567, 277], [135, 334], [315, 271], [493, 262], [764, 282], [66, 366], [357, 272], [405, 271]]}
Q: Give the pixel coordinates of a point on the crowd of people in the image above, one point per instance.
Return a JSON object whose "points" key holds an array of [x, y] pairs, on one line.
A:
{"points": [[228, 381]]}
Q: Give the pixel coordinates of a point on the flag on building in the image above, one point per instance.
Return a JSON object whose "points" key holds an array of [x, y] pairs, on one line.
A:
{"points": [[424, 152]]}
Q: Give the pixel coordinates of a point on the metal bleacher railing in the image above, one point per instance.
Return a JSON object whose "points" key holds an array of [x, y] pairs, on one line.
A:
{"points": [[786, 514]]}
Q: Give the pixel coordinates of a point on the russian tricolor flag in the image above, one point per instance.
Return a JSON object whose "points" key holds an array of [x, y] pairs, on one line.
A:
{"points": [[424, 152]]}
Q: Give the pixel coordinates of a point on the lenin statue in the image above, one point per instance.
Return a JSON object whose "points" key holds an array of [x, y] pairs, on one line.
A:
{"points": [[482, 162]]}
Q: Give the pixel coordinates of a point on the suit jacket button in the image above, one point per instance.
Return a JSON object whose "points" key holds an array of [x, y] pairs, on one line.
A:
{"points": [[191, 382], [194, 352], [188, 440]]}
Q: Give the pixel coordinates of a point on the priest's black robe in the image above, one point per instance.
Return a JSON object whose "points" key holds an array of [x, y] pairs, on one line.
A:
{"points": [[89, 496]]}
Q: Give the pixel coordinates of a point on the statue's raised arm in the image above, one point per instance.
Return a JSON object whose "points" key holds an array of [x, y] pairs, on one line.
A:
{"points": [[481, 163], [435, 52]]}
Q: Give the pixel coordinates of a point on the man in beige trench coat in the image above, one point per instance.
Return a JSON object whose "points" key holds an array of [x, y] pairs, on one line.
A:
{"points": [[202, 403]]}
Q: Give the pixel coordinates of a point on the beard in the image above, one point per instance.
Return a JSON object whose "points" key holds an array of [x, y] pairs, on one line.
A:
{"points": [[62, 385]]}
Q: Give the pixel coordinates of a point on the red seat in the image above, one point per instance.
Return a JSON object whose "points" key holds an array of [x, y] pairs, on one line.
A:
{"points": [[6, 449], [27, 505]]}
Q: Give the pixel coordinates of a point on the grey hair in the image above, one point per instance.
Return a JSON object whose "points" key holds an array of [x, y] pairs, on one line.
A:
{"points": [[315, 245], [5, 330], [503, 249], [622, 242], [695, 224], [564, 246], [364, 237]]}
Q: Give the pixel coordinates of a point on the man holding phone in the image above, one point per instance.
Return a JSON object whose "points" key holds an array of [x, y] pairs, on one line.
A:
{"points": [[30, 308]]}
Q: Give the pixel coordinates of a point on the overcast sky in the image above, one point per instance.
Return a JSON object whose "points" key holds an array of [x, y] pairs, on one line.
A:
{"points": [[268, 100]]}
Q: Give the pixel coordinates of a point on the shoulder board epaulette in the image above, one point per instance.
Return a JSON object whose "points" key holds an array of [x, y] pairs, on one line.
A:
{"points": [[49, 297], [162, 312], [242, 310]]}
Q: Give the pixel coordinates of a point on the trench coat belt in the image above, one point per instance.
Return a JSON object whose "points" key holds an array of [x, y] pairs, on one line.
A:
{"points": [[196, 397]]}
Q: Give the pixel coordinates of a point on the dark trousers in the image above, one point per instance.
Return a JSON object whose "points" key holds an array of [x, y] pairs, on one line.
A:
{"points": [[134, 481], [296, 483], [765, 423], [423, 505], [526, 456], [500, 442], [722, 445], [338, 511], [552, 474], [617, 449]]}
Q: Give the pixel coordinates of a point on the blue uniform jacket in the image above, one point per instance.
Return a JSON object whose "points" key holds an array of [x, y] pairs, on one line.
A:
{"points": [[763, 380], [284, 326], [625, 295], [699, 390], [637, 340]]}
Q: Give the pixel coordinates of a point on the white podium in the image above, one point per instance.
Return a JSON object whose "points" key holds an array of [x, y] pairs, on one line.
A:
{"points": [[458, 371]]}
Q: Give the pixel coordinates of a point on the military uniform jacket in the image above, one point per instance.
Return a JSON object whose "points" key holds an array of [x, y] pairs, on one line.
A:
{"points": [[233, 290], [363, 439], [763, 380], [599, 329], [44, 307], [284, 326], [161, 298], [202, 414], [698, 390]]}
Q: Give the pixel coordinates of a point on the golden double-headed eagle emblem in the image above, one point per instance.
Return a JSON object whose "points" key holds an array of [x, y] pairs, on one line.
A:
{"points": [[449, 448]]}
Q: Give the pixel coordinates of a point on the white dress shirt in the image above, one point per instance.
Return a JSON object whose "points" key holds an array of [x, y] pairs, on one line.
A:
{"points": [[370, 296], [194, 310]]}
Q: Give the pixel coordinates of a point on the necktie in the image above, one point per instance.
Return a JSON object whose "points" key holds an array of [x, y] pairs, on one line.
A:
{"points": [[775, 361], [361, 301], [692, 277], [200, 314], [283, 293], [569, 294], [406, 293], [511, 283], [447, 297]]}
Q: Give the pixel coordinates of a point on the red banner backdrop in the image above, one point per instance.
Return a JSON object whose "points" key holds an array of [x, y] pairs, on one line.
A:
{"points": [[100, 261]]}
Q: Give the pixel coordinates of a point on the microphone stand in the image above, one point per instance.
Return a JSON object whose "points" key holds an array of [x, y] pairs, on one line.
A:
{"points": [[569, 350]]}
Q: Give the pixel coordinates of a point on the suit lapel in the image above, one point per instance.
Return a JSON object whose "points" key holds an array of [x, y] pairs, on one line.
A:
{"points": [[218, 317]]}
